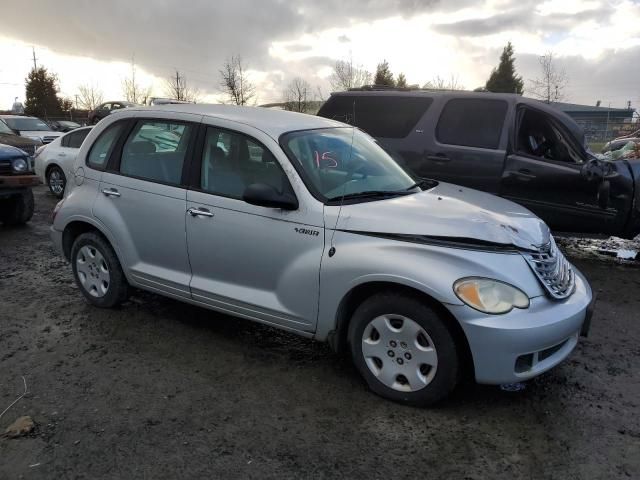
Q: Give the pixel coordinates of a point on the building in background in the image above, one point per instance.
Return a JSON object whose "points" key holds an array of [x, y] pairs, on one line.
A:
{"points": [[600, 124]]}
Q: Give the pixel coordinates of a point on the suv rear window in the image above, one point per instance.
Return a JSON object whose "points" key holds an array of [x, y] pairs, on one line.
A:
{"points": [[472, 122], [379, 116]]}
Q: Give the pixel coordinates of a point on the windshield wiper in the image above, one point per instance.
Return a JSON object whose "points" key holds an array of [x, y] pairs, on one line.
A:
{"points": [[419, 184], [369, 194]]}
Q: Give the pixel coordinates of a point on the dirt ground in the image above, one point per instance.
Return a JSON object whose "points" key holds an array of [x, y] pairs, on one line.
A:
{"points": [[159, 389]]}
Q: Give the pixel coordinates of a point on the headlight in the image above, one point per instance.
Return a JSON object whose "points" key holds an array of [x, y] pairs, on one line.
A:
{"points": [[490, 296], [19, 165]]}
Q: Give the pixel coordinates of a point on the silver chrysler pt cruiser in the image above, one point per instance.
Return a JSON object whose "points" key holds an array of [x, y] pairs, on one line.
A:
{"points": [[308, 225]]}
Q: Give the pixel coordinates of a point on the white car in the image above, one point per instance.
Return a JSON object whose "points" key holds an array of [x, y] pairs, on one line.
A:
{"points": [[54, 162]]}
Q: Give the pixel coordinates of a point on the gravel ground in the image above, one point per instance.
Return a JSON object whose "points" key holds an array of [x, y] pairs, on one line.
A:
{"points": [[159, 389]]}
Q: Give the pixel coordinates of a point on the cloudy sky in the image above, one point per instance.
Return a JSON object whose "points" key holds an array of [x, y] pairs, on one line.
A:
{"points": [[596, 42]]}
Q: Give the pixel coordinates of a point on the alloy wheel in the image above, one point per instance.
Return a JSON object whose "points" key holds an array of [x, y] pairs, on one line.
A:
{"points": [[56, 182]]}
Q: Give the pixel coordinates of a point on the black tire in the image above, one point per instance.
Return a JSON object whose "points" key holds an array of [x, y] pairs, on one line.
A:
{"points": [[449, 365], [56, 170], [18, 209], [118, 287]]}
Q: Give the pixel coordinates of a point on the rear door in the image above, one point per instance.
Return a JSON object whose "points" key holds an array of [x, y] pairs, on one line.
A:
{"points": [[466, 143], [257, 262], [142, 201]]}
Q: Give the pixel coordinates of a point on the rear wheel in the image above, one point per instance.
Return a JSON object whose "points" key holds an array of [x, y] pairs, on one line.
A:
{"points": [[404, 349], [97, 271], [57, 181], [17, 209]]}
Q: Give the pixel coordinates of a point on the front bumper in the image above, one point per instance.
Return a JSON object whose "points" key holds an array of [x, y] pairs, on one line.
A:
{"points": [[18, 181], [522, 344]]}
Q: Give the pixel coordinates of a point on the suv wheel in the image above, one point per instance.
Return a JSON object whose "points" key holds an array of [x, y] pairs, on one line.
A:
{"points": [[17, 209], [57, 181], [97, 271], [403, 349]]}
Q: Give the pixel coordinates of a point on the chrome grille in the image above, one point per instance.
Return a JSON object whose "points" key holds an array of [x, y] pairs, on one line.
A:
{"points": [[29, 150], [552, 269]]}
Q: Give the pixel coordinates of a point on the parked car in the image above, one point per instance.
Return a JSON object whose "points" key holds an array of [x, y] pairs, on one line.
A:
{"points": [[30, 127], [63, 125], [519, 148], [54, 162], [104, 109], [16, 180], [8, 137], [614, 145], [306, 224]]}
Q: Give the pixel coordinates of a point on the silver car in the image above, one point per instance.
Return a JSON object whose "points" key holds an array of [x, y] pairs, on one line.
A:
{"points": [[306, 224]]}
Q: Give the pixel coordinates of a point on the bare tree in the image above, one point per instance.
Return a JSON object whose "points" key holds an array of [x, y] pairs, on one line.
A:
{"points": [[440, 83], [235, 83], [550, 86], [297, 95], [176, 87], [346, 75], [88, 97], [132, 91]]}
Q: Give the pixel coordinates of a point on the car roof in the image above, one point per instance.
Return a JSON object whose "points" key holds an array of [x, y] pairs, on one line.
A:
{"points": [[510, 98], [271, 121]]}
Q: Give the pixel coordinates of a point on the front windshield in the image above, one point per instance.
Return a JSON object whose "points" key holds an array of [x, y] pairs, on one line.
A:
{"points": [[27, 123], [336, 167]]}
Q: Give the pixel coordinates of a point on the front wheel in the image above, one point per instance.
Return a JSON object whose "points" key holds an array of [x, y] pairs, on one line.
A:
{"points": [[57, 181], [17, 209], [97, 271], [404, 349]]}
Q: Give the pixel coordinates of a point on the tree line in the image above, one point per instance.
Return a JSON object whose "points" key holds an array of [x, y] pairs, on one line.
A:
{"points": [[43, 99]]}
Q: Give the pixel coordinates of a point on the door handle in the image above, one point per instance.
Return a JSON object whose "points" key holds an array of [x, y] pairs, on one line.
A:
{"points": [[111, 192], [438, 158], [524, 173], [62, 154], [199, 212]]}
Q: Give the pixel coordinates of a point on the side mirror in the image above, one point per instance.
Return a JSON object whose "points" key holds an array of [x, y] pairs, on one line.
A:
{"points": [[264, 195]]}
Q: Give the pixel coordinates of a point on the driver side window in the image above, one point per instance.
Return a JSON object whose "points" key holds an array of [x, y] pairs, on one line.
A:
{"points": [[542, 137]]}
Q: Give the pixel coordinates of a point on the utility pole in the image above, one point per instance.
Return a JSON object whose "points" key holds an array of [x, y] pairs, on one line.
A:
{"points": [[35, 65]]}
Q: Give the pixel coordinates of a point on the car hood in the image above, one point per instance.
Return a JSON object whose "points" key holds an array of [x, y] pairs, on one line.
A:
{"points": [[16, 140], [447, 213], [39, 133], [8, 152]]}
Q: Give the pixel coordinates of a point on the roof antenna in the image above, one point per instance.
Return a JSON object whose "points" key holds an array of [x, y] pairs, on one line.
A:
{"points": [[332, 250]]}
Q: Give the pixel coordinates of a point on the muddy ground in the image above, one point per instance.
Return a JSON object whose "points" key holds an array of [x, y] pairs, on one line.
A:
{"points": [[159, 389]]}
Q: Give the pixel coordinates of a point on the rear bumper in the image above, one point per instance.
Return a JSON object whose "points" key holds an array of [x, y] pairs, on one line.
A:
{"points": [[56, 238], [525, 343]]}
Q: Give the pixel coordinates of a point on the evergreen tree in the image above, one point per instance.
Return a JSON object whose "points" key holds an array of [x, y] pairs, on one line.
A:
{"points": [[504, 79], [384, 77], [41, 97], [402, 81]]}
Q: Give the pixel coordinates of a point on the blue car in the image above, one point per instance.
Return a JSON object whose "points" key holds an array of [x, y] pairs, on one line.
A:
{"points": [[16, 179]]}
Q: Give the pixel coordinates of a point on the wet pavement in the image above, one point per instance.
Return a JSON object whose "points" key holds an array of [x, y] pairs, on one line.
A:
{"points": [[158, 389]]}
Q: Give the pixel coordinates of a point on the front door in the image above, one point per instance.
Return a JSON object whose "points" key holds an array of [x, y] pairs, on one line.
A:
{"points": [[256, 262], [545, 173], [142, 202]]}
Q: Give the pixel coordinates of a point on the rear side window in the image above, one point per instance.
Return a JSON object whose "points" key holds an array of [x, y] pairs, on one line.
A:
{"points": [[74, 139], [472, 123], [156, 151], [379, 116], [103, 146]]}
